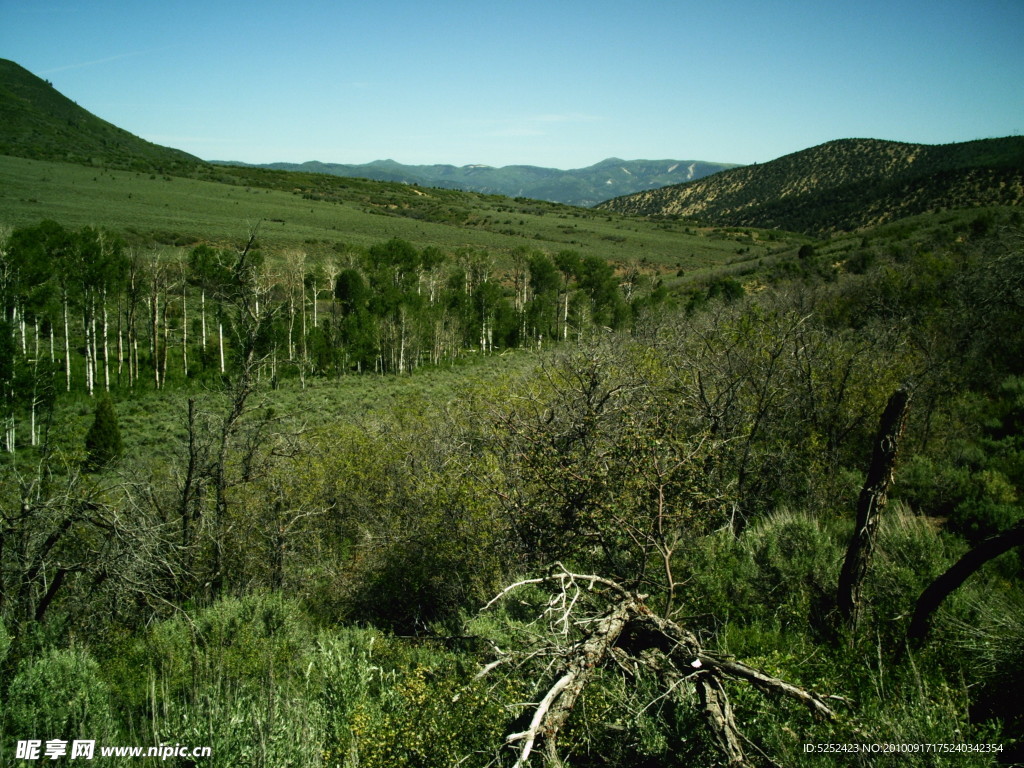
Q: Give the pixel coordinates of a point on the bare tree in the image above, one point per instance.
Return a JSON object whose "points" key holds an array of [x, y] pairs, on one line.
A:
{"points": [[62, 533], [873, 498], [987, 549]]}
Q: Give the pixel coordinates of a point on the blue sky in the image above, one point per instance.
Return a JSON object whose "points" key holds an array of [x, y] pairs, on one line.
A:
{"points": [[555, 83]]}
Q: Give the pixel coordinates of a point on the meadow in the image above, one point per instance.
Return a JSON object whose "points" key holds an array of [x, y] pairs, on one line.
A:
{"points": [[316, 213]]}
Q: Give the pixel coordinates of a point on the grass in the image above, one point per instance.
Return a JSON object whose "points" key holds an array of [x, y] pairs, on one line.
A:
{"points": [[153, 422], [316, 213]]}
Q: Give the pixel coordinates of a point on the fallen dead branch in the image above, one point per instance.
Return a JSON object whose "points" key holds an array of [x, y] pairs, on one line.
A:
{"points": [[592, 622]]}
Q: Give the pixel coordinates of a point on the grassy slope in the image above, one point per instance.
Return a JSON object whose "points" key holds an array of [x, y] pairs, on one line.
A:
{"points": [[153, 422], [355, 212]]}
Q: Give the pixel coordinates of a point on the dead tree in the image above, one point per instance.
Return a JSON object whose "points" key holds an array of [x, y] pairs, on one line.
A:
{"points": [[987, 549], [873, 498], [592, 622]]}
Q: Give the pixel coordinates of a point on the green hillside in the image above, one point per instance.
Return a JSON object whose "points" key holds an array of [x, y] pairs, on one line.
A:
{"points": [[316, 212], [845, 185], [58, 161], [38, 122]]}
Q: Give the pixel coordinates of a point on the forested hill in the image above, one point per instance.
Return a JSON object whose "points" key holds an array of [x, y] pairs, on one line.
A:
{"points": [[38, 122], [580, 186], [845, 185]]}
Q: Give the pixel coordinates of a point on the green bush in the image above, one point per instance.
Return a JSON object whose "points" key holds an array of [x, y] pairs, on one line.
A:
{"points": [[59, 695], [245, 725], [234, 677], [932, 487], [781, 570], [975, 519], [245, 639], [993, 640], [389, 702]]}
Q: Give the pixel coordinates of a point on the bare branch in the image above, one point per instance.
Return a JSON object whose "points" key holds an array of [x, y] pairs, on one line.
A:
{"points": [[589, 629]]}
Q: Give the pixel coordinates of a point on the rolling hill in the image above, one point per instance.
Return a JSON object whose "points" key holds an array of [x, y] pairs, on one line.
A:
{"points": [[58, 161], [40, 123], [839, 186], [581, 186], [845, 185]]}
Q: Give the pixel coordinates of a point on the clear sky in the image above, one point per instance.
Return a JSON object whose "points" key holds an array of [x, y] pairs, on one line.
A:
{"points": [[556, 83]]}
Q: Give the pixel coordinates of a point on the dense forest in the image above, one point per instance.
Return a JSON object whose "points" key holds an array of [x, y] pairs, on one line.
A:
{"points": [[692, 526]]}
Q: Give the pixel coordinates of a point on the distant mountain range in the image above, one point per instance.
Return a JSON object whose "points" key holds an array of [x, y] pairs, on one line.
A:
{"points": [[844, 185], [582, 186]]}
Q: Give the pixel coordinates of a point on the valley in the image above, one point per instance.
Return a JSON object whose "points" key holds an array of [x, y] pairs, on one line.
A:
{"points": [[319, 471], [317, 212]]}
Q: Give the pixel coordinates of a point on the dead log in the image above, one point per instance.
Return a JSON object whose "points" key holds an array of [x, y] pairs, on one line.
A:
{"points": [[590, 627], [556, 706], [720, 719]]}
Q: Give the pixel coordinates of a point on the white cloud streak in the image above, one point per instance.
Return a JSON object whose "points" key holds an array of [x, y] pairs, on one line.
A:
{"points": [[105, 60]]}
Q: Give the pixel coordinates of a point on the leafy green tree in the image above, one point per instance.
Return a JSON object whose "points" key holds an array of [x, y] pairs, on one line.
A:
{"points": [[25, 269], [597, 278], [728, 288], [210, 270], [102, 267], [103, 442], [351, 291], [41, 261], [568, 263], [542, 314], [61, 693]]}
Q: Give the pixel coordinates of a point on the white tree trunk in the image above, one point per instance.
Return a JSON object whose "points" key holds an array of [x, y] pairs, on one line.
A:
{"points": [[21, 323], [565, 317], [154, 336], [315, 297], [106, 346], [86, 330], [120, 341], [184, 328], [67, 346]]}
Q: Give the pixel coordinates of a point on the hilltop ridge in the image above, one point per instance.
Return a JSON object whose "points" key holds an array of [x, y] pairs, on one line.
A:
{"points": [[844, 185], [38, 122]]}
